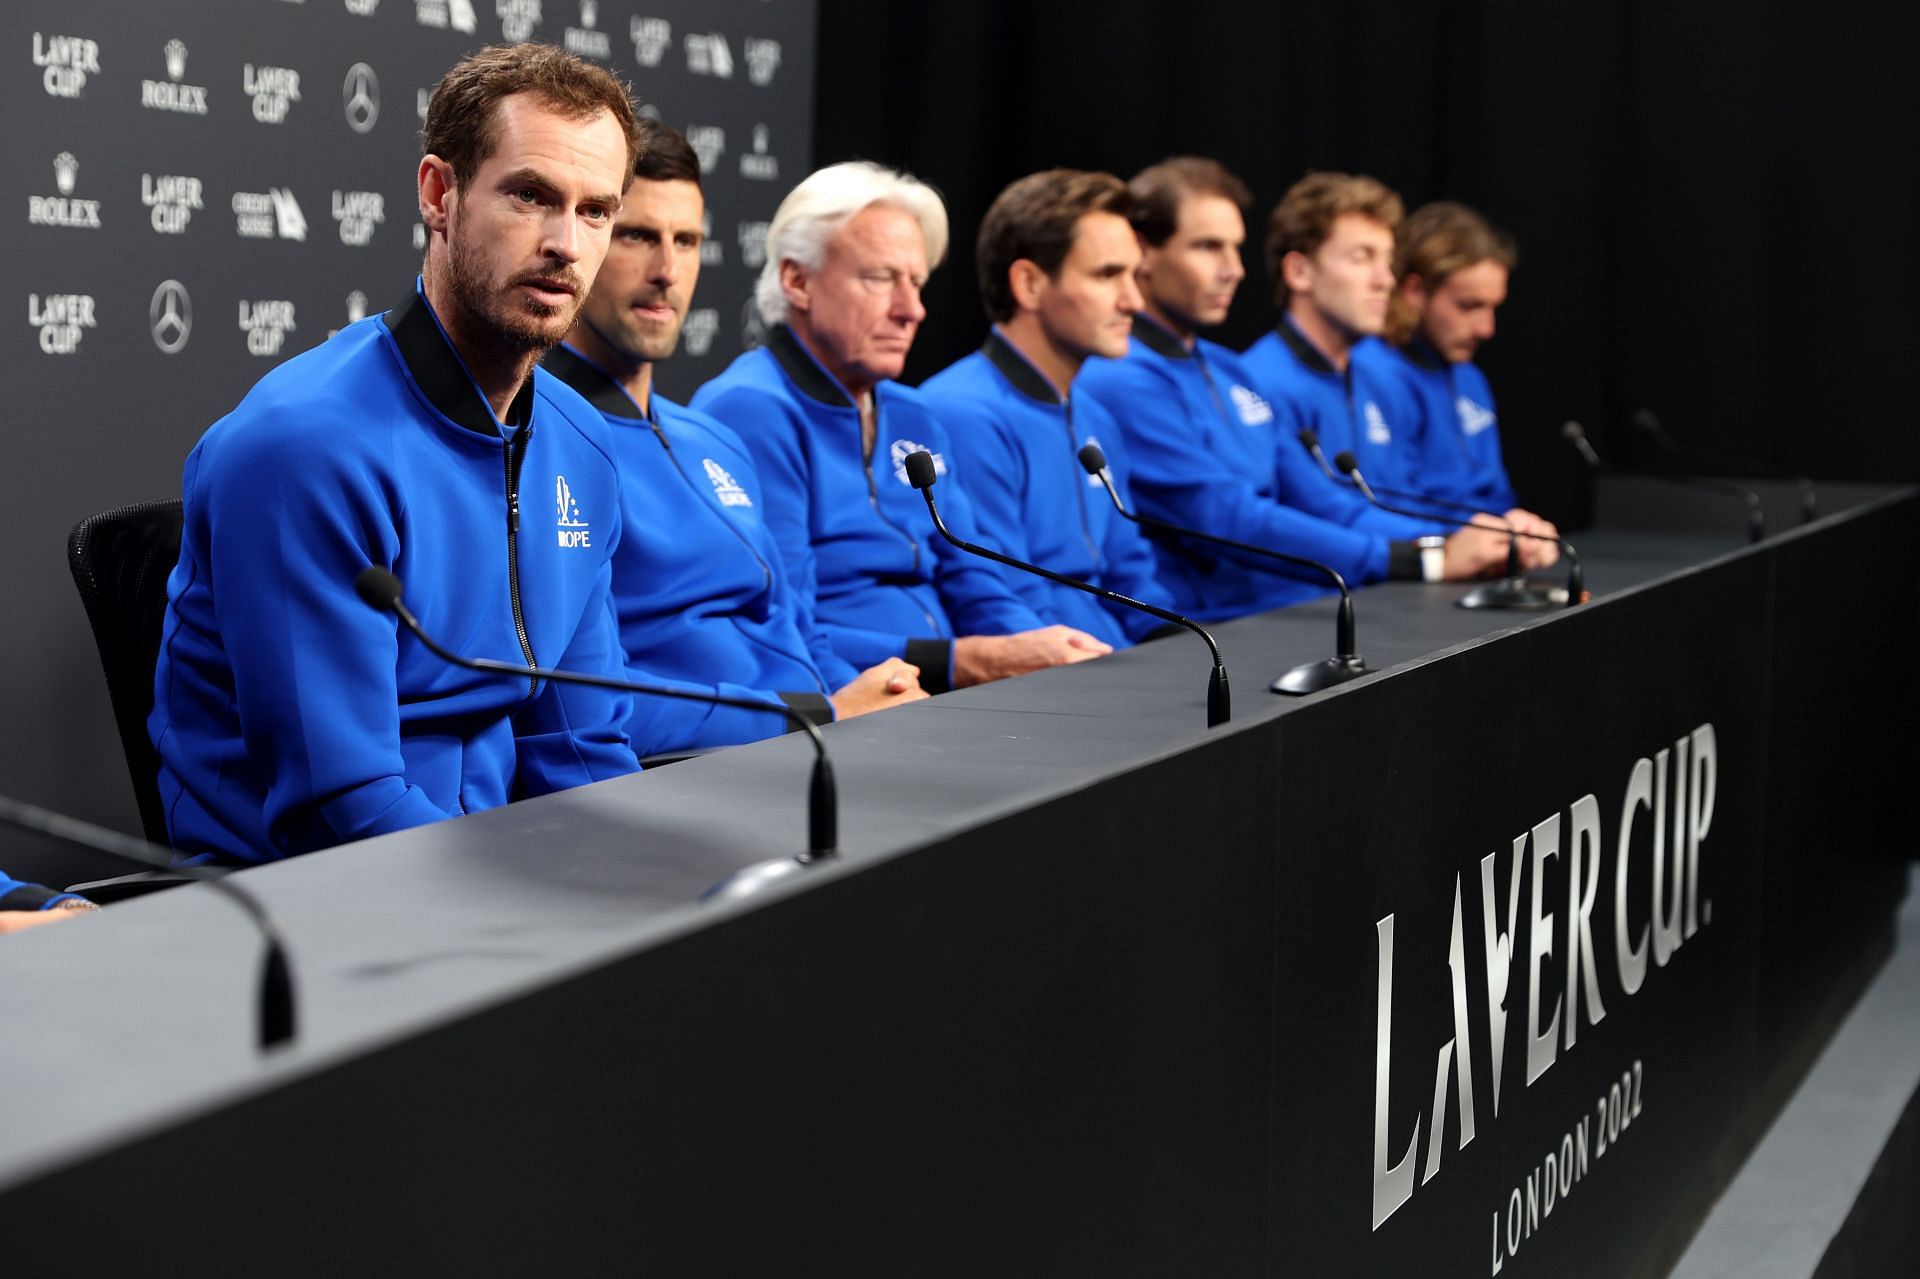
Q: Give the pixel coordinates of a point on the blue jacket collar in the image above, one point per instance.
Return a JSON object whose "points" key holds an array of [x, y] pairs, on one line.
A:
{"points": [[1018, 369], [1304, 351], [805, 371], [442, 376], [1157, 338], [1421, 353], [595, 385]]}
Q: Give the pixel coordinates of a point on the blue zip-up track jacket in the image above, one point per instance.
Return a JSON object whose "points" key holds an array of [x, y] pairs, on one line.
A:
{"points": [[1350, 412], [1208, 453], [885, 583], [288, 714], [1456, 430], [702, 593], [1018, 442], [17, 894]]}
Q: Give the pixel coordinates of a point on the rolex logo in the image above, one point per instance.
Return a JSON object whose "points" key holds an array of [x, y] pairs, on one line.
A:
{"points": [[176, 59], [65, 169], [356, 307], [589, 13]]}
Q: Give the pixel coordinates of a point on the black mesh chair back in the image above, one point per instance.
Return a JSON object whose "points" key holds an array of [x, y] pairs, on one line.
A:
{"points": [[120, 561]]}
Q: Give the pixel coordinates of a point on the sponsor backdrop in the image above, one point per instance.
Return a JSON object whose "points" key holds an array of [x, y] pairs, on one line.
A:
{"points": [[211, 189]]}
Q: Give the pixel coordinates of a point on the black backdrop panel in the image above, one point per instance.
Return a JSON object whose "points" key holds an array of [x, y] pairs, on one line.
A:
{"points": [[1669, 175], [1617, 687], [212, 188]]}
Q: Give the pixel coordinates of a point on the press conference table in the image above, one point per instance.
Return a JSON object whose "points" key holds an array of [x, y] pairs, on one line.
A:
{"points": [[1093, 990]]}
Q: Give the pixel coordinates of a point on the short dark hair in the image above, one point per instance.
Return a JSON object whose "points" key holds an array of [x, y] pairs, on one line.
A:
{"points": [[1159, 191], [1034, 219], [463, 127], [1304, 218], [665, 155]]}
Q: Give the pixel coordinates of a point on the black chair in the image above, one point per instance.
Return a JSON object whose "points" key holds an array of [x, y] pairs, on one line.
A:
{"points": [[120, 561]]}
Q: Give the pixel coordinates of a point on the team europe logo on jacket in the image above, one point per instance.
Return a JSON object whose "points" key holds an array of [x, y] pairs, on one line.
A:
{"points": [[1474, 418], [1377, 432], [573, 529], [1253, 410], [902, 450], [725, 487]]}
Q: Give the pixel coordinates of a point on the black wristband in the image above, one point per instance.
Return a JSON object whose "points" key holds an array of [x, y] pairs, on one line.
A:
{"points": [[1403, 562], [815, 706], [935, 660]]}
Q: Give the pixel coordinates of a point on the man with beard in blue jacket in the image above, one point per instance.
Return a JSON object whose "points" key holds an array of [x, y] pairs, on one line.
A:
{"points": [[1208, 450], [702, 594], [288, 714], [848, 252], [1451, 270], [1056, 260]]}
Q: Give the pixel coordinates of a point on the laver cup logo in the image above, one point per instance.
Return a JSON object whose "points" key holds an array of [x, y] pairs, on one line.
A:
{"points": [[518, 18], [172, 201], [61, 318], [763, 59], [358, 213], [273, 90], [652, 37], [266, 324], [709, 142], [1669, 797], [67, 62], [753, 244]]}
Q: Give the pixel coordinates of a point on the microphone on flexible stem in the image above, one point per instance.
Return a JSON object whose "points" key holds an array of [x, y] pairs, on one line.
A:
{"points": [[921, 473], [382, 590], [1309, 677], [1576, 581], [1648, 424], [277, 1016], [1512, 591], [1576, 435]]}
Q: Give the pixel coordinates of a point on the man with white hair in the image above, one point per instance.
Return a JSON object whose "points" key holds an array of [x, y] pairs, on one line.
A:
{"points": [[848, 252]]}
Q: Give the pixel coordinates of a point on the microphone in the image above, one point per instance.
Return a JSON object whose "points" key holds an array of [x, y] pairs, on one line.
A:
{"points": [[1576, 435], [1648, 424], [277, 1017], [380, 589], [1512, 591], [1576, 584], [921, 474], [1310, 677]]}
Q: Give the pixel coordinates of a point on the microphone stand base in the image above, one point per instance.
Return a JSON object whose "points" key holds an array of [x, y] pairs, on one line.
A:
{"points": [[1314, 676], [744, 883], [1512, 593]]}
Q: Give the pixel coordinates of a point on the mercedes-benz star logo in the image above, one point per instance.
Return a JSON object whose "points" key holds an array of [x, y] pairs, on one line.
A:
{"points": [[361, 93], [170, 315]]}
